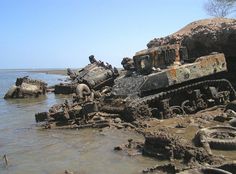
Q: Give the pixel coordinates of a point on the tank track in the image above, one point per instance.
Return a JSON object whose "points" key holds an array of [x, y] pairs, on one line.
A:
{"points": [[167, 94], [112, 109]]}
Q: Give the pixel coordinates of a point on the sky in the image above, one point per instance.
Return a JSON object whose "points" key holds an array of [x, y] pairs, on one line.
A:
{"points": [[64, 33]]}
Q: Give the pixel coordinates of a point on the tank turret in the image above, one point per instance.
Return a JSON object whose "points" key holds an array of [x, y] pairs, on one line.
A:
{"points": [[161, 57]]}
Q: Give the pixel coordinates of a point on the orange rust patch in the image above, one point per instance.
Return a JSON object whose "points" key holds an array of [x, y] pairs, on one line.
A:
{"points": [[212, 60], [172, 73]]}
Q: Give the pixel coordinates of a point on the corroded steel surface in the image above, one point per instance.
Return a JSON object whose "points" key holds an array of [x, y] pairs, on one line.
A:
{"points": [[97, 74], [25, 87], [151, 75], [202, 67]]}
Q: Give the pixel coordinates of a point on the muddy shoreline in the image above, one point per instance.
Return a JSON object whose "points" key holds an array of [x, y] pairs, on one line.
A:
{"points": [[170, 140]]}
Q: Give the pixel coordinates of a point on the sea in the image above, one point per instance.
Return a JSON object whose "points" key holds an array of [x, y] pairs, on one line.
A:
{"points": [[32, 150]]}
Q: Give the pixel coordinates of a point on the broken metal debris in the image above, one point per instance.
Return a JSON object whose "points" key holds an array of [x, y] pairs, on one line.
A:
{"points": [[95, 75], [219, 137], [25, 87]]}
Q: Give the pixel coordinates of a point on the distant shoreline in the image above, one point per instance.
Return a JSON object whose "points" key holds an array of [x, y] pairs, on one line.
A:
{"points": [[46, 71], [50, 71]]}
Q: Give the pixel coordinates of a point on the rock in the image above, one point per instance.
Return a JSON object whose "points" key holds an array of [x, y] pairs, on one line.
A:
{"points": [[180, 131], [232, 122], [231, 106], [130, 143], [230, 113], [119, 126], [191, 121], [165, 168], [200, 126], [128, 125], [117, 120], [181, 125], [118, 148], [101, 125], [220, 118], [102, 118], [95, 118], [42, 116], [68, 172]]}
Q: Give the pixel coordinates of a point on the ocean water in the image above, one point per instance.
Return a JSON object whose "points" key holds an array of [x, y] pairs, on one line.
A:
{"points": [[35, 151]]}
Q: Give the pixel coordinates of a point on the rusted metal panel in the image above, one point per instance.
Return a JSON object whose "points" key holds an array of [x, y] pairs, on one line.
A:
{"points": [[203, 66], [161, 56]]}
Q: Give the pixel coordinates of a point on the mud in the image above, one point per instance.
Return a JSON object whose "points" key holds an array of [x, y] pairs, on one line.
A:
{"points": [[175, 140], [165, 146], [172, 140]]}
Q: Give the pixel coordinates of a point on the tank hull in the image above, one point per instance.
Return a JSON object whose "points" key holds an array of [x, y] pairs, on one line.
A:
{"points": [[176, 90], [173, 75]]}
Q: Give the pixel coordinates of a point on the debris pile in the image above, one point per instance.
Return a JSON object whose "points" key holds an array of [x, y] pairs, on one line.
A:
{"points": [[95, 75], [219, 137], [163, 145], [79, 114]]}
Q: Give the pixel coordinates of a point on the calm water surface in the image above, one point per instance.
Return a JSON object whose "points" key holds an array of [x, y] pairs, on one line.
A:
{"points": [[34, 151]]}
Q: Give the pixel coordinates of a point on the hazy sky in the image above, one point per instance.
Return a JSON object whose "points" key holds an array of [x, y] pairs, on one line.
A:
{"points": [[63, 33]]}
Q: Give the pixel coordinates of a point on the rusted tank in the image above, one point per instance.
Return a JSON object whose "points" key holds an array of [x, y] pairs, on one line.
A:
{"points": [[65, 88], [95, 75], [163, 85], [25, 87]]}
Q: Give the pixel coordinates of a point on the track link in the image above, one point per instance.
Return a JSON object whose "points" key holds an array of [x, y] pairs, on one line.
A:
{"points": [[147, 100]]}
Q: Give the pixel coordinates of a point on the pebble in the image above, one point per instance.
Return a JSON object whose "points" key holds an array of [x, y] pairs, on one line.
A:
{"points": [[117, 120], [118, 148], [230, 113], [220, 118], [102, 118], [68, 172], [232, 122]]}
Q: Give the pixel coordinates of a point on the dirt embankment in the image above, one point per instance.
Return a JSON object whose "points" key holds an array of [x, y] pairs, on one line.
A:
{"points": [[203, 37]]}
